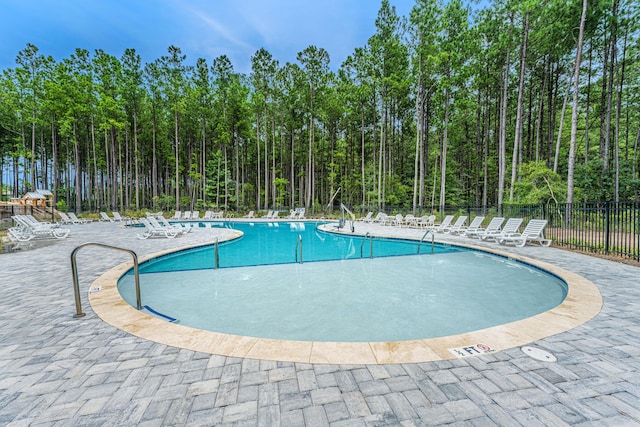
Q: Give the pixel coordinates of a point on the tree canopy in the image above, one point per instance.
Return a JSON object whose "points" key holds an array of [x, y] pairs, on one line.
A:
{"points": [[440, 107]]}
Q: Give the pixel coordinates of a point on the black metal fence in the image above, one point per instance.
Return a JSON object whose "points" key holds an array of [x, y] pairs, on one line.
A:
{"points": [[605, 228]]}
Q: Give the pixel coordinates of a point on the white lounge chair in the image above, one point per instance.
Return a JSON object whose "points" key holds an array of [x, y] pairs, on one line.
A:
{"points": [[177, 215], [105, 218], [426, 221], [186, 215], [380, 217], [66, 219], [512, 226], [446, 222], [162, 222], [410, 220], [268, 215], [117, 217], [208, 215], [195, 215], [493, 227], [474, 225], [365, 218], [30, 228], [398, 220], [77, 220], [249, 215], [533, 232], [276, 215], [156, 231]]}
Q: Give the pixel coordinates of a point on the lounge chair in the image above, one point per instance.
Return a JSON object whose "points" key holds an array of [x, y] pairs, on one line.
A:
{"points": [[162, 222], [276, 215], [426, 221], [195, 215], [474, 225], [493, 227], [511, 227], [268, 215], [151, 230], [105, 218], [177, 215], [117, 217], [365, 218], [379, 218], [77, 220], [30, 228], [208, 215], [186, 215], [398, 220], [410, 220], [446, 222], [533, 232], [249, 215], [66, 219]]}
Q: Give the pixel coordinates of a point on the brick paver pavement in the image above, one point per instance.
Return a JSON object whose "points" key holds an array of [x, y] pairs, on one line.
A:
{"points": [[56, 370]]}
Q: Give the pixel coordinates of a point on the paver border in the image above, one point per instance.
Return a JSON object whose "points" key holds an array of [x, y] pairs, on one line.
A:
{"points": [[582, 303]]}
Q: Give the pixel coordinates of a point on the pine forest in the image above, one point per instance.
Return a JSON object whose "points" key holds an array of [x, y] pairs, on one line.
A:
{"points": [[515, 102]]}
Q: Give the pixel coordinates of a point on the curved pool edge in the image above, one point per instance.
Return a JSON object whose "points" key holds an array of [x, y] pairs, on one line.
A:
{"points": [[582, 303]]}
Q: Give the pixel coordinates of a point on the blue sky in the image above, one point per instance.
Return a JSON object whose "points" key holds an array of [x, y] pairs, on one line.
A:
{"points": [[201, 28]]}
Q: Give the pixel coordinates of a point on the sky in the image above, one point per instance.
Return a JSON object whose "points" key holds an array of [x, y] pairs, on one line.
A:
{"points": [[200, 28]]}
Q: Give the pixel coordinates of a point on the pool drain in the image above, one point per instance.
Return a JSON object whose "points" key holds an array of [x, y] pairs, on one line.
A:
{"points": [[539, 354]]}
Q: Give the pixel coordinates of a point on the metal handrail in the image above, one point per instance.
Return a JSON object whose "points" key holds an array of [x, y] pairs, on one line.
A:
{"points": [[298, 243], [74, 273], [216, 253], [432, 240], [370, 244]]}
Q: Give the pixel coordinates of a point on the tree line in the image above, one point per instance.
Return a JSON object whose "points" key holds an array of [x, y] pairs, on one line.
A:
{"points": [[519, 102]]}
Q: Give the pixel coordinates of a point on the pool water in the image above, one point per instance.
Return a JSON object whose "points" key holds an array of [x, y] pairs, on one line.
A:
{"points": [[348, 298]]}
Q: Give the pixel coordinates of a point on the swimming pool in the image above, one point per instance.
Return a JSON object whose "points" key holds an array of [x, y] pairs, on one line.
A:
{"points": [[347, 297]]}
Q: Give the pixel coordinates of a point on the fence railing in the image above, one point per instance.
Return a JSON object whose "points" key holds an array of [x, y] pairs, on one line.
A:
{"points": [[605, 228]]}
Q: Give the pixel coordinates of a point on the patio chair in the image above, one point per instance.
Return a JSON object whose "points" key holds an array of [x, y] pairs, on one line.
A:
{"points": [[426, 221], [365, 218], [77, 220], [162, 222], [117, 217], [446, 222], [474, 225], [177, 215], [66, 219], [493, 227], [398, 220], [512, 226], [151, 230], [410, 220], [533, 232], [30, 228], [195, 215], [208, 215], [186, 215], [249, 215], [268, 215], [105, 218]]}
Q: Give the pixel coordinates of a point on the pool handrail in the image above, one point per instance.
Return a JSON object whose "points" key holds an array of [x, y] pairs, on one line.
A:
{"points": [[364, 239], [432, 240], [74, 273]]}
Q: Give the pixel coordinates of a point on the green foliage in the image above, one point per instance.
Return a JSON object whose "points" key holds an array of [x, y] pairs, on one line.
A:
{"points": [[539, 184]]}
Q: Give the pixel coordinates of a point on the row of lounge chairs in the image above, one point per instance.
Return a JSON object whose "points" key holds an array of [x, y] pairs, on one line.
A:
{"points": [[158, 226], [28, 228], [509, 233], [195, 215], [104, 217]]}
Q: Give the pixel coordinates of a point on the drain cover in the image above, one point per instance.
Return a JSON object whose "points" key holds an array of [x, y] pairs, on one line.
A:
{"points": [[539, 354]]}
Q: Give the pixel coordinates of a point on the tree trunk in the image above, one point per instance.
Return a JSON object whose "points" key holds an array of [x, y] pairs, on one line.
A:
{"points": [[518, 137], [574, 113]]}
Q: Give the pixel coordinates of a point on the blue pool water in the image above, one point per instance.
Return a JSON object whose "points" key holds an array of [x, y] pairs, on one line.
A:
{"points": [[344, 298]]}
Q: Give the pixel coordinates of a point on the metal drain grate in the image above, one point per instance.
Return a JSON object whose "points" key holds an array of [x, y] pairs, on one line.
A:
{"points": [[539, 354]]}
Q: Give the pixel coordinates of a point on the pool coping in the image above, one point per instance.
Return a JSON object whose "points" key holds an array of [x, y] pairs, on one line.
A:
{"points": [[582, 303]]}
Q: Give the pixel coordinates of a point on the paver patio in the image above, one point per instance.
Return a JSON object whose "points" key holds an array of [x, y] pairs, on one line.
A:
{"points": [[60, 370]]}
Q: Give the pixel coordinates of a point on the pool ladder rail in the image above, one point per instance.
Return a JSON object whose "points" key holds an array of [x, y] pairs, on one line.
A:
{"points": [[432, 240], [76, 283]]}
